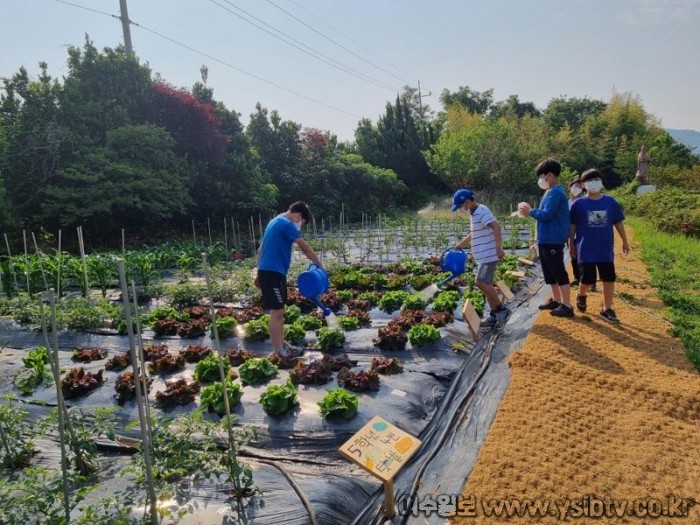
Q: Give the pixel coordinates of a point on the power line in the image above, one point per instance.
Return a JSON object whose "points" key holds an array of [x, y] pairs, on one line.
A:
{"points": [[253, 75], [88, 9], [301, 46], [350, 39], [222, 62], [338, 44]]}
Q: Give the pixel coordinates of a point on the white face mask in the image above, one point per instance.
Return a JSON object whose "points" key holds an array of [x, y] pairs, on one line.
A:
{"points": [[576, 190], [298, 225], [593, 186], [542, 183]]}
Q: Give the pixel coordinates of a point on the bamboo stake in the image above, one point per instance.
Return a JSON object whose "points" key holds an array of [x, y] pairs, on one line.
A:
{"points": [[123, 244], [147, 406], [143, 422], [53, 362], [41, 264], [194, 235], [26, 260], [209, 230], [225, 234], [252, 236], [82, 256], [12, 267], [61, 406], [323, 237], [217, 348], [239, 240], [60, 261]]}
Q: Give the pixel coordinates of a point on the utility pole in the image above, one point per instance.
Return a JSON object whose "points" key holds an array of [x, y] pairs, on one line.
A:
{"points": [[419, 98], [125, 26]]}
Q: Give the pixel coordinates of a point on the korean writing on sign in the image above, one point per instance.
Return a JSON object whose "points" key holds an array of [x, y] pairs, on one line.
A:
{"points": [[381, 448]]}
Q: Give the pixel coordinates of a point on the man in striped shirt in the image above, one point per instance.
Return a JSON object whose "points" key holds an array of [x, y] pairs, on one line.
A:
{"points": [[487, 250]]}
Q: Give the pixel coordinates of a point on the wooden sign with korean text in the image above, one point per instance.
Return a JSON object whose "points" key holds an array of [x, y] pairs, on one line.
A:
{"points": [[380, 448], [526, 262], [504, 291], [518, 275]]}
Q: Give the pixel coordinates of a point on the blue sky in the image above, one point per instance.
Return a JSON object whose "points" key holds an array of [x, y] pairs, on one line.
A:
{"points": [[537, 49]]}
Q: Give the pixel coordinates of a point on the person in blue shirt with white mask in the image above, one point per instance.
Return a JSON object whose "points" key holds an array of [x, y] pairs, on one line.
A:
{"points": [[591, 240], [552, 234], [274, 258]]}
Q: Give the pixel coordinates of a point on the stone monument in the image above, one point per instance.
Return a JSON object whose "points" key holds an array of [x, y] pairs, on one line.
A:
{"points": [[643, 164]]}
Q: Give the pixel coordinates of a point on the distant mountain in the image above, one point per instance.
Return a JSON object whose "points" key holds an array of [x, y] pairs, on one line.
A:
{"points": [[689, 137]]}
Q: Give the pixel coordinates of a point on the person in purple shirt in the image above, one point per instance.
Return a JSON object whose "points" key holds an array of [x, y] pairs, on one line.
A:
{"points": [[274, 258], [592, 221]]}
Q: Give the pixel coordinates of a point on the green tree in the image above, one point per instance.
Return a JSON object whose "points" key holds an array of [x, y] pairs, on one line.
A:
{"points": [[134, 180], [572, 111], [513, 106], [478, 102], [34, 140], [491, 155], [396, 143]]}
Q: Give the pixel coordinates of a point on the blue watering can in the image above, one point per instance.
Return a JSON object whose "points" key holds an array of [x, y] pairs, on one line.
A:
{"points": [[453, 261], [312, 283]]}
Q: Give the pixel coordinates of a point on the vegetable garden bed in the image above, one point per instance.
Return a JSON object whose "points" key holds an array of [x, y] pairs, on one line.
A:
{"points": [[387, 352]]}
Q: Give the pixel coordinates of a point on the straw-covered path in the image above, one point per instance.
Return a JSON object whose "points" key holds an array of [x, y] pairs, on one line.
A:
{"points": [[597, 419]]}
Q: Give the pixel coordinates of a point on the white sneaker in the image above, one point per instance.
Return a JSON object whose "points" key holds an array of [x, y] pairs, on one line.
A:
{"points": [[290, 350]]}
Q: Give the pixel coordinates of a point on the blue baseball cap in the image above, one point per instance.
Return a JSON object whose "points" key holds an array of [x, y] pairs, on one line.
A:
{"points": [[459, 197]]}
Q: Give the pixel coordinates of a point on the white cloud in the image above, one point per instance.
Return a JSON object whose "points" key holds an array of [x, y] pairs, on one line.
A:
{"points": [[660, 12]]}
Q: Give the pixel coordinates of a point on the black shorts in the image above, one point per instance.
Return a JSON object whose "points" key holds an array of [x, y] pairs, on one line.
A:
{"points": [[274, 289], [606, 270], [552, 257]]}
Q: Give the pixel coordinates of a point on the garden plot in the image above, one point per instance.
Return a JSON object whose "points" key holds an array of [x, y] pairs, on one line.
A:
{"points": [[294, 459]]}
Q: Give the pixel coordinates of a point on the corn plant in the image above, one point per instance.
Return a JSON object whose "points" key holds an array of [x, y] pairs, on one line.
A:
{"points": [[102, 271]]}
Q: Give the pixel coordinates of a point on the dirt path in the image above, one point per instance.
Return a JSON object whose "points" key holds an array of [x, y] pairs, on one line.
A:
{"points": [[597, 409]]}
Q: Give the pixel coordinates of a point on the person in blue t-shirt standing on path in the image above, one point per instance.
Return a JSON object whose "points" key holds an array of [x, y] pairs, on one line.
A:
{"points": [[487, 250], [552, 233], [592, 220], [274, 258]]}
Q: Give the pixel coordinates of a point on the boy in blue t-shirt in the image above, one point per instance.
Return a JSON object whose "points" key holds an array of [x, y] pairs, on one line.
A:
{"points": [[592, 222], [552, 233], [274, 257]]}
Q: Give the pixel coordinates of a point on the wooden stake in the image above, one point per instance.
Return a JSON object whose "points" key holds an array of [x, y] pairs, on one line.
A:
{"points": [[143, 422], [389, 509], [123, 244], [194, 235]]}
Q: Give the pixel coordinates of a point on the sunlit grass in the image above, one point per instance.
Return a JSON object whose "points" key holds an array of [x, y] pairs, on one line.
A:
{"points": [[672, 261]]}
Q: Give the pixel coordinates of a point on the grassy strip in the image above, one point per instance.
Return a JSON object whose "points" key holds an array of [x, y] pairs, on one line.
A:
{"points": [[672, 261]]}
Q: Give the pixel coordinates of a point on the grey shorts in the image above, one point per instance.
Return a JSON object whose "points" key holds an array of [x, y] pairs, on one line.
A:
{"points": [[485, 272]]}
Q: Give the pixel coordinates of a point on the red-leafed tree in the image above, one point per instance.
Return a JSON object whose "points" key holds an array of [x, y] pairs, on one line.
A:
{"points": [[195, 125]]}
